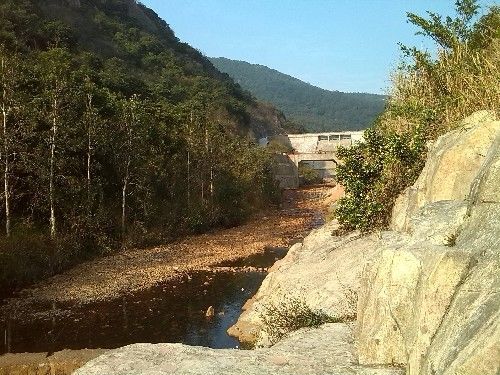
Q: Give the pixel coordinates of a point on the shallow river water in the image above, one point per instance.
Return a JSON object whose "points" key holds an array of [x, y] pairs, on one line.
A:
{"points": [[170, 312]]}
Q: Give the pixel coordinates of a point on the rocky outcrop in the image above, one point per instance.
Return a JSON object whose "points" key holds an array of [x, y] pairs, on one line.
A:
{"points": [[428, 289], [332, 345], [324, 271], [451, 171], [428, 292], [430, 299], [64, 362]]}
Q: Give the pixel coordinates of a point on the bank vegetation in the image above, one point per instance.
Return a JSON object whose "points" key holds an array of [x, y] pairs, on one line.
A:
{"points": [[429, 96]]}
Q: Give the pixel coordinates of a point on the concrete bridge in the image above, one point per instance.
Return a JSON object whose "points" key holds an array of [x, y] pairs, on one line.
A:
{"points": [[316, 150]]}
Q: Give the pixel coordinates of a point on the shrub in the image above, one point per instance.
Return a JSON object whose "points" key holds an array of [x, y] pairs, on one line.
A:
{"points": [[28, 257], [428, 97], [373, 173], [308, 175], [289, 315]]}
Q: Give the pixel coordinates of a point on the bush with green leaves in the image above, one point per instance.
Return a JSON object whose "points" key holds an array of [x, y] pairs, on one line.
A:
{"points": [[309, 175], [429, 97], [373, 173], [291, 314]]}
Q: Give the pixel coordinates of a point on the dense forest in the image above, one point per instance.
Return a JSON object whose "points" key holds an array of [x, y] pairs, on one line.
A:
{"points": [[114, 133], [311, 107]]}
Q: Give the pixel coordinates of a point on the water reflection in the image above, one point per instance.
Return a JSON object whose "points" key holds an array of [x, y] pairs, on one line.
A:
{"points": [[170, 312]]}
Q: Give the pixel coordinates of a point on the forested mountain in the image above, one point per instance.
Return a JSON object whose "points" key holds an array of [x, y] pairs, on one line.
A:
{"points": [[113, 133], [313, 108]]}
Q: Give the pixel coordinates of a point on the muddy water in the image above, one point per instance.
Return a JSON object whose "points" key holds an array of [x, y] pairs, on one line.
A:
{"points": [[174, 311], [165, 313]]}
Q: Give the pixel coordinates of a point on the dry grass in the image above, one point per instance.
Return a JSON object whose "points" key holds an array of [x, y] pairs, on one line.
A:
{"points": [[455, 85]]}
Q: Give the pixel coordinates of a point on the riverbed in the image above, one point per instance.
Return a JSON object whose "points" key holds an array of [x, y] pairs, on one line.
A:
{"points": [[160, 294]]}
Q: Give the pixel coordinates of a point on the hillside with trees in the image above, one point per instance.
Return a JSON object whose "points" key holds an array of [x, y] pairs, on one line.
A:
{"points": [[311, 107], [114, 133]]}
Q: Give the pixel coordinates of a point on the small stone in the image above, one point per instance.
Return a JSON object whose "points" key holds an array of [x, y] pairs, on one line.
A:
{"points": [[210, 312]]}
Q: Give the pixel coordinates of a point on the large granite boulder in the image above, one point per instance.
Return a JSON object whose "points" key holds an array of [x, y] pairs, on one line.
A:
{"points": [[324, 272], [64, 362], [430, 299], [327, 350]]}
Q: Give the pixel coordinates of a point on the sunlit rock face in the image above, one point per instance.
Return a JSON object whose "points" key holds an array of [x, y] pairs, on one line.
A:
{"points": [[324, 271], [327, 350], [430, 300]]}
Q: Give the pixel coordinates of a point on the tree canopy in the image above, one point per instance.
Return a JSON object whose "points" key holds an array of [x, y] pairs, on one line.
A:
{"points": [[115, 133]]}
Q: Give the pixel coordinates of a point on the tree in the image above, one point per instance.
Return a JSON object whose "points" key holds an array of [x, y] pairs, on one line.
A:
{"points": [[90, 119], [132, 149], [8, 85], [430, 96], [55, 68]]}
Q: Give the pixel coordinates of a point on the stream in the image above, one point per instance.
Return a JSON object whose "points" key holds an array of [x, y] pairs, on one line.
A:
{"points": [[169, 312], [172, 311]]}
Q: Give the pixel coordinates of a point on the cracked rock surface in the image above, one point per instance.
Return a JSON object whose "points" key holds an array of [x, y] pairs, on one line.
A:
{"points": [[327, 350], [430, 299]]}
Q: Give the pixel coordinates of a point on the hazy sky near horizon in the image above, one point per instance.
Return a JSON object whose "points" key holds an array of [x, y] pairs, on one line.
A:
{"points": [[345, 45]]}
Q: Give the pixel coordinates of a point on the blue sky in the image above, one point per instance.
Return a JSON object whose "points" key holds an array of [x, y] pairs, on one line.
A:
{"points": [[345, 45]]}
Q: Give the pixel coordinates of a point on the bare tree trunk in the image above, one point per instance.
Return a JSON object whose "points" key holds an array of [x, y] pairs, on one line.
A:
{"points": [[124, 195], [209, 155], [6, 169], [211, 180], [189, 162], [126, 176], [51, 176], [6, 152], [89, 161], [89, 146], [202, 186], [188, 178]]}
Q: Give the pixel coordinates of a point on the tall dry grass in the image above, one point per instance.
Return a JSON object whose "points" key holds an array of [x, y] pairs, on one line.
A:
{"points": [[443, 92]]}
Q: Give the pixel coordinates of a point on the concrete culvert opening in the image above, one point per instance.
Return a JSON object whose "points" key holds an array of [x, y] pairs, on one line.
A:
{"points": [[313, 172]]}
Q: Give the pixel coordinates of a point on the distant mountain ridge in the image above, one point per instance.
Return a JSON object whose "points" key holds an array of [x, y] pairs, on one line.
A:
{"points": [[314, 108]]}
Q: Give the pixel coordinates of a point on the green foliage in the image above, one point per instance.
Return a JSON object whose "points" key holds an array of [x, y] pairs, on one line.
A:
{"points": [[373, 173], [150, 141], [289, 315], [308, 175], [429, 97], [313, 108], [451, 32], [277, 147]]}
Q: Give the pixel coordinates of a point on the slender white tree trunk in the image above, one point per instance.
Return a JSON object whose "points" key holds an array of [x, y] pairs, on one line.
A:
{"points": [[124, 195], [188, 178], [51, 175], [89, 146], [211, 180], [209, 155], [126, 176], [6, 151], [89, 161], [6, 169], [189, 162]]}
